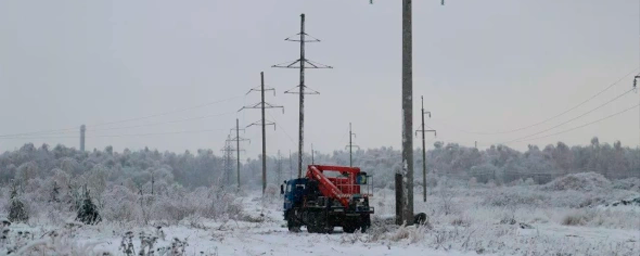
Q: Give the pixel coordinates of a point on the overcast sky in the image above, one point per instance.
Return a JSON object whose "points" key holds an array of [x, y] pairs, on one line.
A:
{"points": [[482, 66]]}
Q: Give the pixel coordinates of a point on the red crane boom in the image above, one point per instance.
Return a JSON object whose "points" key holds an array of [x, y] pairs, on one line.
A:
{"points": [[337, 188]]}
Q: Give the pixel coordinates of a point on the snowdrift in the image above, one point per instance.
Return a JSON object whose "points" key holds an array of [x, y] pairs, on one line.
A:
{"points": [[587, 181]]}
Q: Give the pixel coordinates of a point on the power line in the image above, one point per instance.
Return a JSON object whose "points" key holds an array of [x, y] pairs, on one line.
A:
{"points": [[283, 129], [587, 124], [117, 135], [166, 113], [134, 126], [570, 120], [553, 117], [166, 122], [67, 130]]}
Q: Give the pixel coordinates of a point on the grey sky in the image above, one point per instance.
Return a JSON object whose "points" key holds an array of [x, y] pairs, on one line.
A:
{"points": [[482, 65]]}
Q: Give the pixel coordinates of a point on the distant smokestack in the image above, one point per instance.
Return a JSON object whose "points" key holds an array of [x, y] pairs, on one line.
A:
{"points": [[83, 129]]}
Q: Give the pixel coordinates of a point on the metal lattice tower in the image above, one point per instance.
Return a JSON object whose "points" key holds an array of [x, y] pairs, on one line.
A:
{"points": [[228, 158], [262, 105], [302, 61]]}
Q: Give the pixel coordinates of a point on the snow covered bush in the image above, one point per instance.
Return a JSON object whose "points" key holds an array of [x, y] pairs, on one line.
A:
{"points": [[120, 205], [632, 184], [55, 243]]}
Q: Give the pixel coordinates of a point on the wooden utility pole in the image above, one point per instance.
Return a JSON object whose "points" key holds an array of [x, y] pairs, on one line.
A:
{"points": [[301, 66], [424, 151], [262, 105], [351, 146]]}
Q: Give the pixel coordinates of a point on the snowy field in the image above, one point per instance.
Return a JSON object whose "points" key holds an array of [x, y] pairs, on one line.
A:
{"points": [[568, 216]]}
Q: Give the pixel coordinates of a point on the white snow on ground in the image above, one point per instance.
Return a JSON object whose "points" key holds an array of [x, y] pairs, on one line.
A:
{"points": [[472, 235], [269, 237], [464, 220]]}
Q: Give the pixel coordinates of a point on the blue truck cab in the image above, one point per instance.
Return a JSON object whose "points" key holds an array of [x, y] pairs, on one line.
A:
{"points": [[294, 192]]}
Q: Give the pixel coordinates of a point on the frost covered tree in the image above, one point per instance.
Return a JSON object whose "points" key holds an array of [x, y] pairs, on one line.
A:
{"points": [[17, 211], [88, 212]]}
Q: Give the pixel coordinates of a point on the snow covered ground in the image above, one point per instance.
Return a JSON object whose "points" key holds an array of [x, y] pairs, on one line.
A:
{"points": [[464, 220]]}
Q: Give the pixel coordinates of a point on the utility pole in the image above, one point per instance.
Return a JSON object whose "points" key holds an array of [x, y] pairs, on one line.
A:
{"points": [[312, 155], [238, 139], [83, 130], [279, 166], [404, 179], [290, 165], [404, 175], [350, 146], [424, 151], [262, 105], [635, 87], [301, 66]]}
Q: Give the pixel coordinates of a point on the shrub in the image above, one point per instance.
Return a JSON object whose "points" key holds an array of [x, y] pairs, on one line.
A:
{"points": [[88, 212], [17, 211]]}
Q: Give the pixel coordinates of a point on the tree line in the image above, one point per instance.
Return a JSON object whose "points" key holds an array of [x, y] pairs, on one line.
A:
{"points": [[148, 169]]}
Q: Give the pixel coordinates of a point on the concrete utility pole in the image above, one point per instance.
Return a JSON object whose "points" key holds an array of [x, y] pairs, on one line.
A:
{"points": [[238, 139], [635, 87], [424, 151], [351, 146], [301, 66], [262, 105], [83, 130], [404, 175]]}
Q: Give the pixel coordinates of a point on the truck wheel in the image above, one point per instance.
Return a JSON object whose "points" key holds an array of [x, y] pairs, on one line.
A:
{"points": [[323, 224], [292, 227], [312, 222], [349, 228], [365, 223], [292, 223]]}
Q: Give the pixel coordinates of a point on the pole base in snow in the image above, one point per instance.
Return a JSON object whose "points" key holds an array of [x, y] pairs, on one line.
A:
{"points": [[399, 206]]}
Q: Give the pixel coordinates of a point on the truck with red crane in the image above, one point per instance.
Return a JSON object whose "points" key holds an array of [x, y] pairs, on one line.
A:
{"points": [[328, 197]]}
